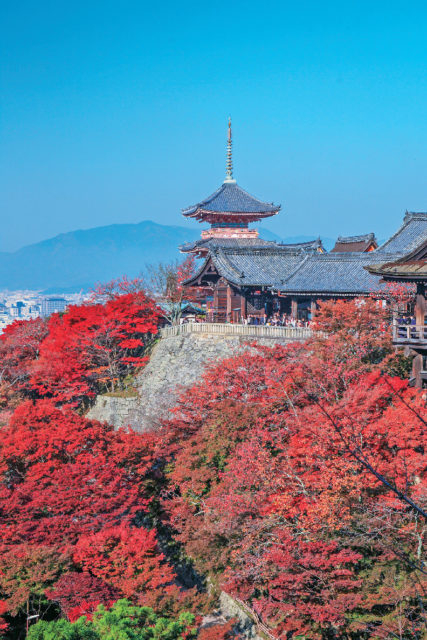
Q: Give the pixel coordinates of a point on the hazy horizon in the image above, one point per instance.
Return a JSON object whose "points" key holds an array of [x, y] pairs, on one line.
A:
{"points": [[118, 113]]}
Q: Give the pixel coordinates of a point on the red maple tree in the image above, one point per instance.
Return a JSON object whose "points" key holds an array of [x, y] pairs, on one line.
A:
{"points": [[19, 349], [287, 468], [79, 593], [62, 475], [93, 347], [128, 559]]}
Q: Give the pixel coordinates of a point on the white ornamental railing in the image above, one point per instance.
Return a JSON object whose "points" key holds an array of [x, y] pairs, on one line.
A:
{"points": [[410, 333], [245, 330]]}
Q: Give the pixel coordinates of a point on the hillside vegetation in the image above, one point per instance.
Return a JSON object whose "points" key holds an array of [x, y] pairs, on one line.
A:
{"points": [[293, 478]]}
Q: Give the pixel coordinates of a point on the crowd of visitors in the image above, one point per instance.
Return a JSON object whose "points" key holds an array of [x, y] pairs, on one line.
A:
{"points": [[276, 320], [407, 328]]}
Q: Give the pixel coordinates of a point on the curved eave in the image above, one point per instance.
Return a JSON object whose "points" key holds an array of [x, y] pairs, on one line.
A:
{"points": [[210, 216], [329, 293], [393, 272]]}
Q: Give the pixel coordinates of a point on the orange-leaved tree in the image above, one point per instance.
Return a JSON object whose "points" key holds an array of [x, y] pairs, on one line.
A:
{"points": [[293, 472]]}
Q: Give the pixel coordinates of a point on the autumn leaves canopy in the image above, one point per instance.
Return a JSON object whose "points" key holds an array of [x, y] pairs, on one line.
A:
{"points": [[268, 479]]}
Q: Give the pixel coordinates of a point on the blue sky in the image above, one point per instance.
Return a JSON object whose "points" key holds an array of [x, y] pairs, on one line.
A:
{"points": [[116, 112]]}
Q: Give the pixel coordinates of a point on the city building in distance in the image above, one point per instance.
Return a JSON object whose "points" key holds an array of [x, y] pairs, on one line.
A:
{"points": [[26, 305], [52, 305]]}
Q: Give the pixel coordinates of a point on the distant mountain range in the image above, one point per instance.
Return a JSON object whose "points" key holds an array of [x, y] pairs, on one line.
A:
{"points": [[77, 260]]}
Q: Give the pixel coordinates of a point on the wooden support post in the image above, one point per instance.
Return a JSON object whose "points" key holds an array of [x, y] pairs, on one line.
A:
{"points": [[313, 307], [229, 303], [420, 318], [294, 308], [417, 365], [215, 305], [420, 305], [242, 306]]}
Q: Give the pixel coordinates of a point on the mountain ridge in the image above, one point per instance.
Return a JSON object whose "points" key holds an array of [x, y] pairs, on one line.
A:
{"points": [[79, 259]]}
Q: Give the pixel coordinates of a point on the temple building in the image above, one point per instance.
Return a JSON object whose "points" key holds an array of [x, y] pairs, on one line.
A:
{"points": [[410, 331], [364, 244], [244, 275]]}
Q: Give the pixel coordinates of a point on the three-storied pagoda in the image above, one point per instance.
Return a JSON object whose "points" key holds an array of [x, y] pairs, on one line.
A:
{"points": [[247, 276], [230, 209]]}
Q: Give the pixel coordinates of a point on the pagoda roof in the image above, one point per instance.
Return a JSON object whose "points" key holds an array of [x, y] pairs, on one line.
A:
{"points": [[361, 243], [209, 243], [230, 198]]}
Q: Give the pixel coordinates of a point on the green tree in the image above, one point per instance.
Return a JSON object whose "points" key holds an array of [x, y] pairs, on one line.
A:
{"points": [[63, 630], [122, 622]]}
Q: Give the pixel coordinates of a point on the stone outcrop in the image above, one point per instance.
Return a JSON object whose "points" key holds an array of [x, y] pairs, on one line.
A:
{"points": [[113, 409], [177, 361], [230, 609]]}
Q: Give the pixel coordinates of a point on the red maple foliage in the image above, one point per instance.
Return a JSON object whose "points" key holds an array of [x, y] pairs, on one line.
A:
{"points": [[275, 468], [290, 473], [3, 624], [19, 349], [222, 631], [79, 593], [94, 346], [128, 559], [62, 476], [25, 572]]}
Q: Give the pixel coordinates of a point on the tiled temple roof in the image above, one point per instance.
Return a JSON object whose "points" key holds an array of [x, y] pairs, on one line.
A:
{"points": [[412, 233], [334, 273], [210, 243], [354, 243], [346, 273], [251, 243], [299, 270], [412, 267], [411, 271], [311, 245], [250, 266], [230, 198], [255, 267]]}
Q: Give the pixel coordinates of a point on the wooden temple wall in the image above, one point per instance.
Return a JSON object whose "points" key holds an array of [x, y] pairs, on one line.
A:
{"points": [[419, 362], [228, 304], [231, 304]]}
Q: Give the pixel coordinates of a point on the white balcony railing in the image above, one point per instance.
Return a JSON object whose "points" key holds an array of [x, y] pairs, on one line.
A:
{"points": [[245, 330], [410, 334]]}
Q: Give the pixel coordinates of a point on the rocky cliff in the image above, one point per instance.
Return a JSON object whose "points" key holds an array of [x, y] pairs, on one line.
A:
{"points": [[177, 361]]}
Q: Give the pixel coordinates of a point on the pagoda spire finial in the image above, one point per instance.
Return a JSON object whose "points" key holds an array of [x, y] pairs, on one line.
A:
{"points": [[229, 165]]}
